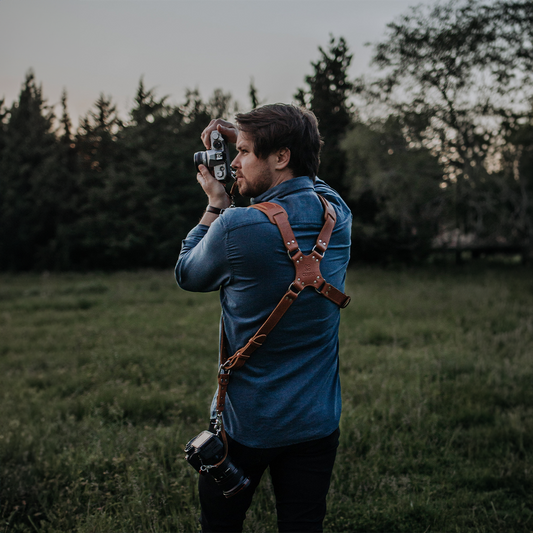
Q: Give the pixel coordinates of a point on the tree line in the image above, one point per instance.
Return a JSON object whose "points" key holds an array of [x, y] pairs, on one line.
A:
{"points": [[113, 195], [436, 150]]}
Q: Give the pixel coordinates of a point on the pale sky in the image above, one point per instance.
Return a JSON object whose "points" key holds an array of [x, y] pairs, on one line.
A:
{"points": [[89, 47]]}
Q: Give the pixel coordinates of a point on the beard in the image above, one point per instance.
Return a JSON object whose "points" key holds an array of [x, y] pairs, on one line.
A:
{"points": [[260, 183]]}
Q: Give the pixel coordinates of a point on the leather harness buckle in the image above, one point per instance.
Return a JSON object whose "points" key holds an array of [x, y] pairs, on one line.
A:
{"points": [[293, 288], [223, 371], [291, 257]]}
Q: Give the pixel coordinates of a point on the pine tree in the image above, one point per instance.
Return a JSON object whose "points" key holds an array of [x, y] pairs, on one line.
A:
{"points": [[327, 96], [98, 157], [150, 206], [27, 185], [3, 126], [67, 194], [252, 92]]}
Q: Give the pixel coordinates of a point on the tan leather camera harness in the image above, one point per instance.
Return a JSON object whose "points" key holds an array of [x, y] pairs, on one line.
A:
{"points": [[307, 275]]}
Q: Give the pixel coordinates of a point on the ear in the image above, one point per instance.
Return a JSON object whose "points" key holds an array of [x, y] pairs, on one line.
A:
{"points": [[282, 158]]}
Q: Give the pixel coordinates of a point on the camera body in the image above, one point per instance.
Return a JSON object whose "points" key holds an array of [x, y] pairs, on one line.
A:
{"points": [[217, 158], [207, 450]]}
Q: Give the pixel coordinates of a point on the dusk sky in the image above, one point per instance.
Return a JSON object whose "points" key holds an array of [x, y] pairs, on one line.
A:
{"points": [[89, 47]]}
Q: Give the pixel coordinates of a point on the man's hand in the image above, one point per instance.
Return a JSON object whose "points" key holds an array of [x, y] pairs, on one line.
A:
{"points": [[214, 189], [228, 130]]}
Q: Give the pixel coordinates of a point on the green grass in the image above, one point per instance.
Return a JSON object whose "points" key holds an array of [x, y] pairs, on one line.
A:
{"points": [[104, 378]]}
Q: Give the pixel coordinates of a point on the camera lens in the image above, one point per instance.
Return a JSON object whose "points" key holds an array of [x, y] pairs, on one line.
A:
{"points": [[200, 158], [207, 450], [230, 478]]}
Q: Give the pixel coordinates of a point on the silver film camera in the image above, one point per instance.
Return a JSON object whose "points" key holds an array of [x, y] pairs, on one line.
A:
{"points": [[217, 158]]}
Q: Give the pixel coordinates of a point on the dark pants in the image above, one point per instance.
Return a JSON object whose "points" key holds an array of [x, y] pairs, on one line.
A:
{"points": [[300, 475]]}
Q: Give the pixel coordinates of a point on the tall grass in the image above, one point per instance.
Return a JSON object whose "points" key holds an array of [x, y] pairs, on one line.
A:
{"points": [[104, 378]]}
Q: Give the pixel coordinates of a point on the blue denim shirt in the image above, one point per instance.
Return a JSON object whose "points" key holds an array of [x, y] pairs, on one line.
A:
{"points": [[289, 390]]}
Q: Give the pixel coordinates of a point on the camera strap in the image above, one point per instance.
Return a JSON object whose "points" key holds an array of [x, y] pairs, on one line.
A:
{"points": [[307, 274]]}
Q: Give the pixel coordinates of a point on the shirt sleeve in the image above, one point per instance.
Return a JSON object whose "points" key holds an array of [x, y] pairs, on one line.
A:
{"points": [[203, 263]]}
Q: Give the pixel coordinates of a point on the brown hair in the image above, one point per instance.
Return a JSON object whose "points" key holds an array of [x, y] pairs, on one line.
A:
{"points": [[276, 126]]}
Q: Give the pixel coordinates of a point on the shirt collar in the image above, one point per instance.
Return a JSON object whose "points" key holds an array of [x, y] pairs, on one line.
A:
{"points": [[283, 189]]}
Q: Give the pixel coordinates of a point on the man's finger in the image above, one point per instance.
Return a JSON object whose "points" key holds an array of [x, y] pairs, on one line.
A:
{"points": [[229, 132], [227, 129], [203, 171], [206, 133]]}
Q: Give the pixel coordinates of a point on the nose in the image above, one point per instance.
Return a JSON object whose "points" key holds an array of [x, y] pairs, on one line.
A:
{"points": [[236, 161]]}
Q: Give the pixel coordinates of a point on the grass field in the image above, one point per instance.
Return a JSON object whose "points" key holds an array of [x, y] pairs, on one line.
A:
{"points": [[104, 378]]}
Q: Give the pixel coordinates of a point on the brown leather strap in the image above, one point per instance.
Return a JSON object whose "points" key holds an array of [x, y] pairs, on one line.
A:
{"points": [[278, 216], [241, 356], [330, 218], [307, 266], [333, 294], [307, 275]]}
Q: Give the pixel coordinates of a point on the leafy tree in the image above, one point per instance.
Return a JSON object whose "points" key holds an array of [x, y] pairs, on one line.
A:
{"points": [[327, 95], [456, 72], [395, 195], [516, 182]]}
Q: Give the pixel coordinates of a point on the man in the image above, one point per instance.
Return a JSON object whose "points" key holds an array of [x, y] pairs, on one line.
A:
{"points": [[283, 406]]}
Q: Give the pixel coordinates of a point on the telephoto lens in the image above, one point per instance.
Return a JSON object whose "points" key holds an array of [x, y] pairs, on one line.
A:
{"points": [[207, 450]]}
